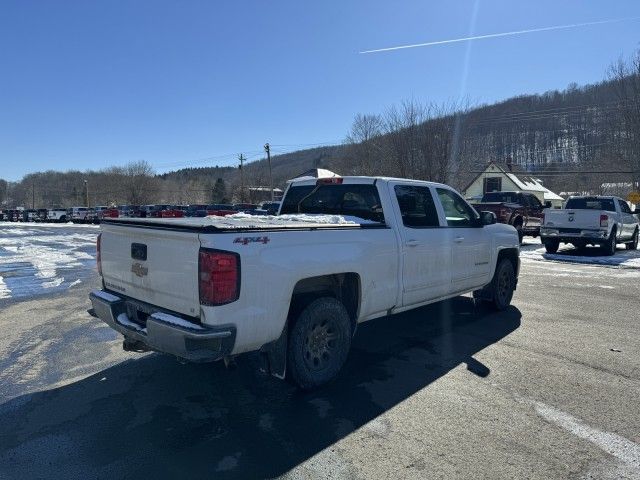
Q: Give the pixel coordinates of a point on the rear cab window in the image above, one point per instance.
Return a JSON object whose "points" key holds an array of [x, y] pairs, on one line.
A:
{"points": [[591, 203], [356, 200], [417, 208]]}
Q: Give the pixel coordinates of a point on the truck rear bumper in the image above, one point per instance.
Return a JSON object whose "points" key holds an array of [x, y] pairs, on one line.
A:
{"points": [[567, 235], [164, 332]]}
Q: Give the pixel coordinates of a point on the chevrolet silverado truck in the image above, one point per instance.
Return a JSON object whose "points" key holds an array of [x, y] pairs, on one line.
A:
{"points": [[599, 220], [342, 251], [523, 210]]}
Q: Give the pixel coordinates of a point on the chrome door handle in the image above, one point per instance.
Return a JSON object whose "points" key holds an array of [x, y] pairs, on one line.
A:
{"points": [[412, 243], [458, 239]]}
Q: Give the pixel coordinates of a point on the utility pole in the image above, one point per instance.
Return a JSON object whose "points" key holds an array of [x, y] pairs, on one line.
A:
{"points": [[241, 158], [86, 190], [33, 195], [267, 149]]}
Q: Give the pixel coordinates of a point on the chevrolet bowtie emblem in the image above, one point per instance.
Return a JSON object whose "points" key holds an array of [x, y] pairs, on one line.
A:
{"points": [[139, 269]]}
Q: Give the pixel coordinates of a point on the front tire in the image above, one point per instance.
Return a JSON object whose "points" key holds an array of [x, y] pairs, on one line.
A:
{"points": [[499, 292], [551, 246], [319, 343]]}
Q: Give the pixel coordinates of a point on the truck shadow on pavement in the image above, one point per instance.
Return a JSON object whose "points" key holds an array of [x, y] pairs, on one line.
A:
{"points": [[155, 418]]}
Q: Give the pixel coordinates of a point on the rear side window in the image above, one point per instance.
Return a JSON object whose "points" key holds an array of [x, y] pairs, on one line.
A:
{"points": [[356, 200], [416, 206], [591, 203]]}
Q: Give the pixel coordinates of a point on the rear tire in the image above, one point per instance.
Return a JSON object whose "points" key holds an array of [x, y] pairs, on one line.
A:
{"points": [[610, 247], [633, 244], [319, 343], [551, 246]]}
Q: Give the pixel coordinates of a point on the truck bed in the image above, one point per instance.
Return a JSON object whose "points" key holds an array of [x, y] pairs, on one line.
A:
{"points": [[246, 222]]}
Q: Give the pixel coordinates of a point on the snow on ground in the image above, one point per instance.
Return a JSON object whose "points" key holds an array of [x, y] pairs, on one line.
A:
{"points": [[43, 258], [532, 249]]}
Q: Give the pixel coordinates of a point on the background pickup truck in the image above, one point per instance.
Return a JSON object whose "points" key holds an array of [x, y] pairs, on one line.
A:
{"points": [[295, 286], [602, 221], [521, 209]]}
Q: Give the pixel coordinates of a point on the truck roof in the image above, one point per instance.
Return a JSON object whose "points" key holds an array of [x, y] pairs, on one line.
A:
{"points": [[353, 179]]}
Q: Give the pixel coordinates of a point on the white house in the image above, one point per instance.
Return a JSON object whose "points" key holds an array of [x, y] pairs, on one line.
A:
{"points": [[494, 178]]}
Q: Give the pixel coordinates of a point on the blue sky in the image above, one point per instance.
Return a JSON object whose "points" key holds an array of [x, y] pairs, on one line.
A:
{"points": [[90, 84]]}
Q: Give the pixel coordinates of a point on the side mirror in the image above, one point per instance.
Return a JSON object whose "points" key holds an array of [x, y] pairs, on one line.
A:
{"points": [[547, 204], [487, 218], [636, 211]]}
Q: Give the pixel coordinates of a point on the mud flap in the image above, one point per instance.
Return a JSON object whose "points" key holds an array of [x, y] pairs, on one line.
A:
{"points": [[275, 355]]}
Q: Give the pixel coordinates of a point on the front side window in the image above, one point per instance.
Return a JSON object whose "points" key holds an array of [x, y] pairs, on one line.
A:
{"points": [[624, 206], [456, 210], [534, 202], [416, 206]]}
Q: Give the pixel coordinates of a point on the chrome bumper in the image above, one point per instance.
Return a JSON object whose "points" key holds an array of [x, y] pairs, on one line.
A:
{"points": [[164, 332], [593, 235]]}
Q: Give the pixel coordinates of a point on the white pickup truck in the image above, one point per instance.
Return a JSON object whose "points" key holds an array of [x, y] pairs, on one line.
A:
{"points": [[597, 220], [295, 286]]}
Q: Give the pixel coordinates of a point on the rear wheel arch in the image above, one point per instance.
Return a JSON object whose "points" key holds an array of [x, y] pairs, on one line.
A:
{"points": [[345, 287]]}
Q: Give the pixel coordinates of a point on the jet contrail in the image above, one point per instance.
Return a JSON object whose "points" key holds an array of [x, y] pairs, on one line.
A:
{"points": [[496, 35]]}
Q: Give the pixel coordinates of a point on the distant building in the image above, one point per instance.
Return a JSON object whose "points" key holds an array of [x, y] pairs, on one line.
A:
{"points": [[263, 194], [494, 178]]}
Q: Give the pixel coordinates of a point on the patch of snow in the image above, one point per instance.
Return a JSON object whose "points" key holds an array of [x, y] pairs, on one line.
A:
{"points": [[4, 290], [532, 249], [125, 322], [74, 283], [163, 317], [56, 282], [39, 258], [622, 258], [105, 295], [247, 221]]}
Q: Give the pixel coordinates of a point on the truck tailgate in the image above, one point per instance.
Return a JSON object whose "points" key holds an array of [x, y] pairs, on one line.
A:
{"points": [[578, 219], [157, 266]]}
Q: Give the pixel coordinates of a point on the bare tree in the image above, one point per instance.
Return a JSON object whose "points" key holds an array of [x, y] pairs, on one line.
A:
{"points": [[138, 182], [364, 142], [625, 77]]}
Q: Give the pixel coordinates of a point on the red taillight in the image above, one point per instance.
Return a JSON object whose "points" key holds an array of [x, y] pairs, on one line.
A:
{"points": [[330, 181], [219, 277], [604, 221], [98, 253]]}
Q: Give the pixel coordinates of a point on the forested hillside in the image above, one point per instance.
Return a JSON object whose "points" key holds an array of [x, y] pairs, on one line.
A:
{"points": [[574, 140]]}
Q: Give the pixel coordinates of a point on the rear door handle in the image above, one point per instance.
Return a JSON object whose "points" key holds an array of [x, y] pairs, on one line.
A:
{"points": [[412, 243], [458, 239]]}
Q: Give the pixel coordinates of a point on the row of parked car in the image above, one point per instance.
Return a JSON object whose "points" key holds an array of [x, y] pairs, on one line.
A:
{"points": [[95, 214]]}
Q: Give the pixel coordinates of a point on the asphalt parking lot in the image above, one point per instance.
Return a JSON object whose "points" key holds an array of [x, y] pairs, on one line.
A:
{"points": [[546, 389]]}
